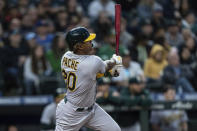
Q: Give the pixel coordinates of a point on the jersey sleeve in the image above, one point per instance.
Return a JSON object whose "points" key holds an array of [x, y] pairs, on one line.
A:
{"points": [[100, 66]]}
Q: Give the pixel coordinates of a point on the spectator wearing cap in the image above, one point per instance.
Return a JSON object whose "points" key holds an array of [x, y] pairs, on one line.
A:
{"points": [[155, 64], [157, 18], [105, 94], [48, 119], [43, 37], [13, 58], [169, 120], [130, 69], [173, 36], [133, 95]]}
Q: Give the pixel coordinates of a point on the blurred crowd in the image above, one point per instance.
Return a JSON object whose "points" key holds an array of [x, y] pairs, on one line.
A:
{"points": [[158, 44], [157, 41]]}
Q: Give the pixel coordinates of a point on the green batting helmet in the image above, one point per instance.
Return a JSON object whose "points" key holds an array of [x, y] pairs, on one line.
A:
{"points": [[78, 35]]}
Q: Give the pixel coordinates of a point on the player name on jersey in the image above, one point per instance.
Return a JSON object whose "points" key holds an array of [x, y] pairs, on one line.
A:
{"points": [[70, 63]]}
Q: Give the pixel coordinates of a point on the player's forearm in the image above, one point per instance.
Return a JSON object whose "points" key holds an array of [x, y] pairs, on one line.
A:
{"points": [[109, 64]]}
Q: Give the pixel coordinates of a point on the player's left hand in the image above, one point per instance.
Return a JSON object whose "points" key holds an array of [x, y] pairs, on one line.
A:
{"points": [[117, 59]]}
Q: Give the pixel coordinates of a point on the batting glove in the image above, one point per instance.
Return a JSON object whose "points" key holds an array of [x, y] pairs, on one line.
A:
{"points": [[117, 59], [115, 71]]}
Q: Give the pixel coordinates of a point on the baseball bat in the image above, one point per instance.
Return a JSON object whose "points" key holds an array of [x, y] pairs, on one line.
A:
{"points": [[117, 25]]}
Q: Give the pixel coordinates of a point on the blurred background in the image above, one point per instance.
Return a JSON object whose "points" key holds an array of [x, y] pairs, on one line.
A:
{"points": [[156, 89]]}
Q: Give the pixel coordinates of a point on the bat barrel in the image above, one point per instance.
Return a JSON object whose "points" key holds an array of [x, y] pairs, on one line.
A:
{"points": [[117, 26]]}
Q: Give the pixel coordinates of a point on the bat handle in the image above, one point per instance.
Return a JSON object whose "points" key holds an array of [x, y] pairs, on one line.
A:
{"points": [[117, 43]]}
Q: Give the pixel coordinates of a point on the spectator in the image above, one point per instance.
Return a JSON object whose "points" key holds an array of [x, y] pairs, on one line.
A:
{"points": [[54, 55], [27, 24], [176, 74], [107, 49], [75, 13], [189, 22], [129, 70], [147, 29], [171, 8], [106, 94], [15, 24], [47, 120], [157, 18], [35, 66], [61, 21], [97, 6], [31, 41], [33, 14], [140, 49], [73, 8], [11, 67], [125, 37], [169, 120], [2, 9], [185, 56], [12, 13], [159, 37], [135, 94], [103, 26], [155, 64], [85, 22], [173, 36], [187, 33], [43, 37], [192, 46], [145, 8], [23, 6]]}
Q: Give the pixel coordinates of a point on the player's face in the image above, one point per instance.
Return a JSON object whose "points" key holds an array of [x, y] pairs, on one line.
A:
{"points": [[87, 47]]}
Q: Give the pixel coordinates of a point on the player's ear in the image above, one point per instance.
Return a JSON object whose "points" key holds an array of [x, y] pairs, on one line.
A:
{"points": [[80, 46]]}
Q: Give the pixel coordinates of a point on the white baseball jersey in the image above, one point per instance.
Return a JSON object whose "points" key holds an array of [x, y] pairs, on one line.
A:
{"points": [[79, 72]]}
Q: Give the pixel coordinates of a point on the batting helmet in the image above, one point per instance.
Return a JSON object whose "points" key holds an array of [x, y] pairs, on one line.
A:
{"points": [[78, 35]]}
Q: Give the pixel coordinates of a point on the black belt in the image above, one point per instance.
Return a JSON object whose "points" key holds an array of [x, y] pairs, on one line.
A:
{"points": [[81, 109], [85, 108]]}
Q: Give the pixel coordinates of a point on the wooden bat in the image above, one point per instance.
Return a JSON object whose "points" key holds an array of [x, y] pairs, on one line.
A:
{"points": [[117, 25]]}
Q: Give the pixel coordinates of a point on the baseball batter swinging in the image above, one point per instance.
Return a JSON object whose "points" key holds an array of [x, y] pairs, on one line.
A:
{"points": [[80, 69]]}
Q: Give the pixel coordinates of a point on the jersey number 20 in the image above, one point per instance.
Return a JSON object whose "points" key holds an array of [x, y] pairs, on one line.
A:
{"points": [[71, 80]]}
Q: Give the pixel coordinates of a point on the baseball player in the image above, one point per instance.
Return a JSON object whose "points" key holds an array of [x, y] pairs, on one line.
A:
{"points": [[80, 70]]}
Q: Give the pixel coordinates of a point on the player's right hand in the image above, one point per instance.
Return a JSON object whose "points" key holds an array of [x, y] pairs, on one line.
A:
{"points": [[115, 71], [117, 59]]}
